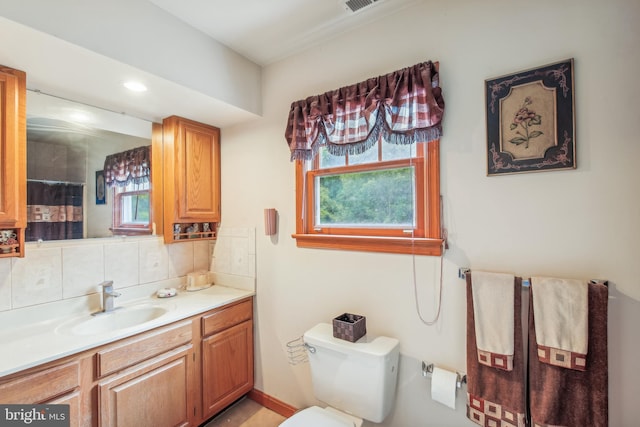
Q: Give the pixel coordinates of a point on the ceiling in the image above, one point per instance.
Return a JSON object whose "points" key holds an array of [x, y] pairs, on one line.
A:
{"points": [[263, 31], [266, 31]]}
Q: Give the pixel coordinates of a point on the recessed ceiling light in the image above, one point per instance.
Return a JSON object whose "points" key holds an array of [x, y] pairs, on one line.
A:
{"points": [[80, 116], [135, 86]]}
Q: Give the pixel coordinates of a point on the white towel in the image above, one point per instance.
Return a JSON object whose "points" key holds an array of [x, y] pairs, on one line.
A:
{"points": [[493, 311], [560, 309]]}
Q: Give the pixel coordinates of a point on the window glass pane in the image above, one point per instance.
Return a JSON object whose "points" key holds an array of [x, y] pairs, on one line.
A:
{"points": [[369, 156], [397, 151], [135, 208], [380, 198], [328, 160]]}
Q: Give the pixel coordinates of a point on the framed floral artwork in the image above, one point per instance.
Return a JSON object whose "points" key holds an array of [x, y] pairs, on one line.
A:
{"points": [[531, 120]]}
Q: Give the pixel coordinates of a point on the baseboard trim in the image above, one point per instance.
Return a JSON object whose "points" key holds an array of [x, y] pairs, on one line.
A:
{"points": [[269, 402]]}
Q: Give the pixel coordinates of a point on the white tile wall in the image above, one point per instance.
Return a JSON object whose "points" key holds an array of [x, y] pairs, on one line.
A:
{"points": [[121, 264], [234, 257], [202, 254], [154, 260], [53, 271], [82, 278], [5, 284], [239, 256], [36, 278], [180, 258]]}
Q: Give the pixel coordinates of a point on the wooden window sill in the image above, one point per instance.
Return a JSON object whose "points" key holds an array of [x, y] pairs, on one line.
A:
{"points": [[395, 245]]}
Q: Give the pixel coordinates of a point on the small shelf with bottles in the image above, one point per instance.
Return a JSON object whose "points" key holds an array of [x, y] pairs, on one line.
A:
{"points": [[11, 242], [196, 230]]}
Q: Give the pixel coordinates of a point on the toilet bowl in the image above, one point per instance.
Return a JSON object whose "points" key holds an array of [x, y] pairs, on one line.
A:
{"points": [[338, 368]]}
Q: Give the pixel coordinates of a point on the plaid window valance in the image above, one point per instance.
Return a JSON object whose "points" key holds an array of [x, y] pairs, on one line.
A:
{"points": [[404, 107], [129, 167]]}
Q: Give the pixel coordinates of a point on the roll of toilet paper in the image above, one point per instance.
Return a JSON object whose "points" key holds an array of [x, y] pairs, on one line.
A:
{"points": [[443, 387]]}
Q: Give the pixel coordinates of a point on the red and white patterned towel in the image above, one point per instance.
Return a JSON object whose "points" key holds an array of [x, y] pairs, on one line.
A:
{"points": [[493, 307], [560, 308]]}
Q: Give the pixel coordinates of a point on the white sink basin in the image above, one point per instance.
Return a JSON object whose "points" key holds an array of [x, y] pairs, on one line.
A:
{"points": [[120, 318]]}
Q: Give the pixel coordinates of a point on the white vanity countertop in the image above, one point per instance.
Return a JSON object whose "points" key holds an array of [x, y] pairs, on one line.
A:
{"points": [[28, 341]]}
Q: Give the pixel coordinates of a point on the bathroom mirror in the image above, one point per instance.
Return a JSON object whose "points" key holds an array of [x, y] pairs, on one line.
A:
{"points": [[67, 144]]}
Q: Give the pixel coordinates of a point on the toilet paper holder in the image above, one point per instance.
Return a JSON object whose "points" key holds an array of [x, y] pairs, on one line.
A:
{"points": [[427, 370]]}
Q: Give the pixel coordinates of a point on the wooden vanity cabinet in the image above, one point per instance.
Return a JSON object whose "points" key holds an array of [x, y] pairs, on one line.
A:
{"points": [[180, 374], [191, 179], [13, 158]]}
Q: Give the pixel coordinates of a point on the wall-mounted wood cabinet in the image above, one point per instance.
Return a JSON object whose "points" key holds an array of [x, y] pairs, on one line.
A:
{"points": [[191, 179], [13, 161]]}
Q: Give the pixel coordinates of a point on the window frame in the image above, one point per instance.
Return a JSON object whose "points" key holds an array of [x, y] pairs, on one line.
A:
{"points": [[126, 228], [425, 240]]}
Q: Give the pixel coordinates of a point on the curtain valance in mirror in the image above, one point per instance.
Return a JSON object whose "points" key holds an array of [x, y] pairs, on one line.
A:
{"points": [[128, 167], [404, 107]]}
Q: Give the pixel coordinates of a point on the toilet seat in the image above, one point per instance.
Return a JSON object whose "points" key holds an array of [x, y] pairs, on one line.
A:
{"points": [[316, 416]]}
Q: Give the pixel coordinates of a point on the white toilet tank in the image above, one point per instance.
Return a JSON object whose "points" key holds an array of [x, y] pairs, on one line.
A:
{"points": [[357, 378]]}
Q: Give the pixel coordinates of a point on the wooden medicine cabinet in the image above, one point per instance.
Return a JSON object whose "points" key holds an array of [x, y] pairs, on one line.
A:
{"points": [[191, 180]]}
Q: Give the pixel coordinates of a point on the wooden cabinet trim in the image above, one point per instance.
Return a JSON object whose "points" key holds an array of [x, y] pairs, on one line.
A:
{"points": [[133, 350]]}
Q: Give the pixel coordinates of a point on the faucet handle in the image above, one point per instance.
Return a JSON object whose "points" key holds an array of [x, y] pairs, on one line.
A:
{"points": [[107, 285], [107, 289]]}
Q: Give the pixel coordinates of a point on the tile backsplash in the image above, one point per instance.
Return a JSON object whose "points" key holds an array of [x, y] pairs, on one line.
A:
{"points": [[53, 271], [234, 257]]}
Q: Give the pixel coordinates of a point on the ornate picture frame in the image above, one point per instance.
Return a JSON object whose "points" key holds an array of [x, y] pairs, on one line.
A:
{"points": [[531, 120]]}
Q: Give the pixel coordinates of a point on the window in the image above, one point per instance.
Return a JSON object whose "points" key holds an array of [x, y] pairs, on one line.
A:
{"points": [[367, 164], [386, 199], [131, 210]]}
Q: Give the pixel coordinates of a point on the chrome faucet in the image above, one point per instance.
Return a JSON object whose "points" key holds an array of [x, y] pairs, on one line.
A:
{"points": [[108, 294]]}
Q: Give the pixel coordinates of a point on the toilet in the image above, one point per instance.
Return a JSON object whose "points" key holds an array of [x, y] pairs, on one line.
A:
{"points": [[357, 380]]}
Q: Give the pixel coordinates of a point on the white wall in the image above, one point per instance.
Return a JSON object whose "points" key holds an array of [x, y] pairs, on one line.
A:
{"points": [[138, 33], [580, 223]]}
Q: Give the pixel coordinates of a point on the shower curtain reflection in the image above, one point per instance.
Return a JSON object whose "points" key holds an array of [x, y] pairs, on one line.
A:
{"points": [[54, 211]]}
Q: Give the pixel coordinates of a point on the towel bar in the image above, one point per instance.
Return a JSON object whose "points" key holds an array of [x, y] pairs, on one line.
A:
{"points": [[427, 370], [463, 271]]}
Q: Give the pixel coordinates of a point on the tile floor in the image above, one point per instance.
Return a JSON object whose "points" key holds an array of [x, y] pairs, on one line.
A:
{"points": [[246, 413]]}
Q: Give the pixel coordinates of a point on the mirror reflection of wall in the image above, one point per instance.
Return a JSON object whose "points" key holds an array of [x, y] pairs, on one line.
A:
{"points": [[67, 143]]}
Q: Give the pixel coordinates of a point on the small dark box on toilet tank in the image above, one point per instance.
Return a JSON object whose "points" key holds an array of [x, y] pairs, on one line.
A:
{"points": [[349, 327]]}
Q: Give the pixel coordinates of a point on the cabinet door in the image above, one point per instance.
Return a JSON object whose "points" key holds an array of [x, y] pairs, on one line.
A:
{"points": [[13, 142], [76, 417], [227, 367], [157, 393], [193, 150]]}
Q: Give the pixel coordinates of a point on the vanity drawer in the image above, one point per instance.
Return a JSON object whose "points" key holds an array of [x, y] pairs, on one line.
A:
{"points": [[41, 386], [131, 351], [226, 317]]}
